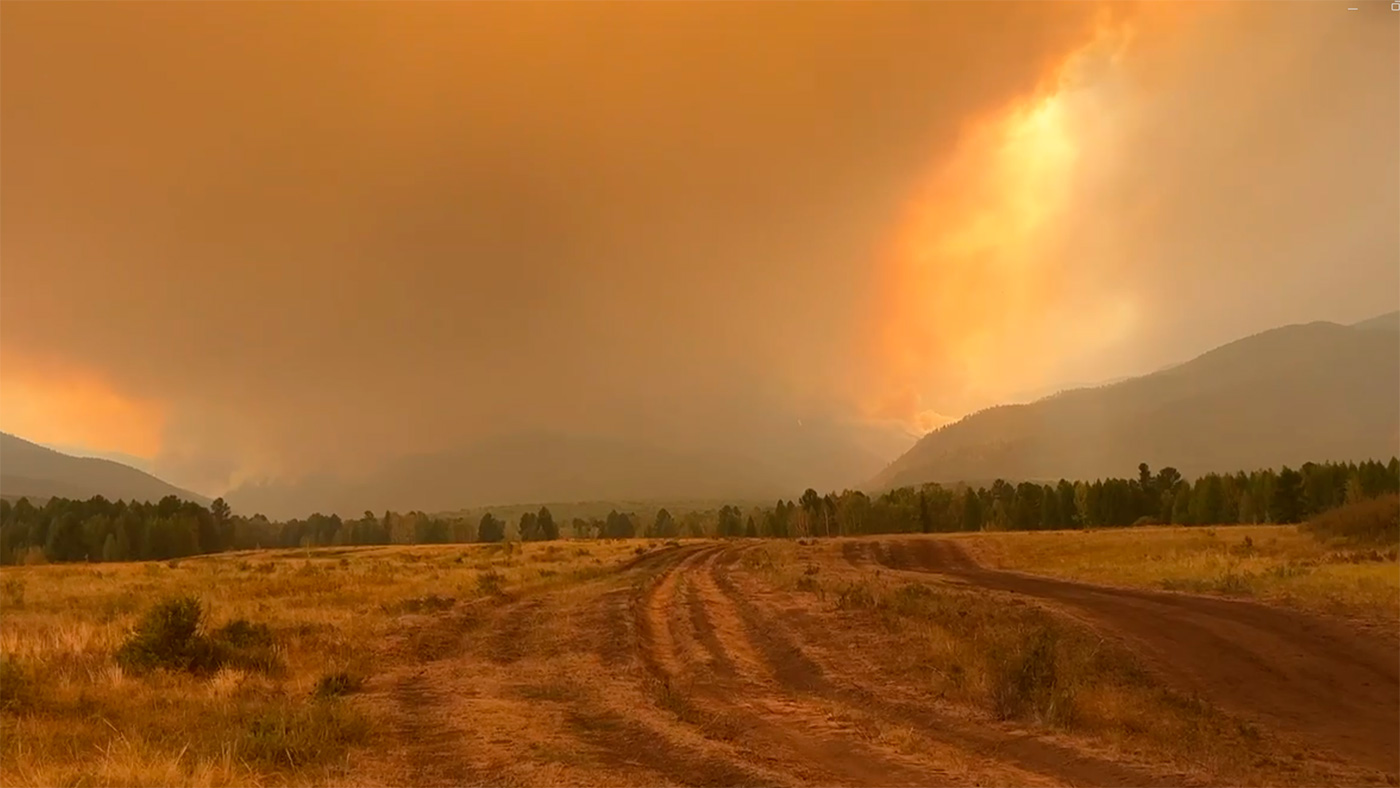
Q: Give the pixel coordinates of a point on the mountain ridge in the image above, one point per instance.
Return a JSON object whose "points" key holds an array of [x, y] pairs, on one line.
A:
{"points": [[30, 470], [1304, 392]]}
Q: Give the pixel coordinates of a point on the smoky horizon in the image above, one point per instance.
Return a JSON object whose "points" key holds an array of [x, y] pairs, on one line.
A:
{"points": [[755, 245]]}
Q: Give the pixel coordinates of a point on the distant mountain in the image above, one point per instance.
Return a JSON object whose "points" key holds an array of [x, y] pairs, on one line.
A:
{"points": [[1300, 393], [1387, 322], [33, 471], [129, 460], [538, 468]]}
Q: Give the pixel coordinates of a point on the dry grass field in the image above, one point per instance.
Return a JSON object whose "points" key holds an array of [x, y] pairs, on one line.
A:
{"points": [[1276, 563], [73, 716], [870, 661]]}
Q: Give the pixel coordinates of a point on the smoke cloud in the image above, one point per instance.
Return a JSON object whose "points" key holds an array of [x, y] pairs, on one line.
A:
{"points": [[278, 239]]}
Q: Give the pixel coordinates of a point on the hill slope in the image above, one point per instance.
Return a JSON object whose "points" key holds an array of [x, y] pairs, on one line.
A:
{"points": [[1313, 392], [1389, 321], [30, 470]]}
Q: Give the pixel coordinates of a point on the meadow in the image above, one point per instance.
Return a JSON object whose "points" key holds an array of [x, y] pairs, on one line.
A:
{"points": [[73, 716], [851, 661], [1278, 564]]}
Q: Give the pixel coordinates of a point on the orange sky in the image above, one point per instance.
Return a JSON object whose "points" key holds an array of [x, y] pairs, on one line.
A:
{"points": [[247, 239]]}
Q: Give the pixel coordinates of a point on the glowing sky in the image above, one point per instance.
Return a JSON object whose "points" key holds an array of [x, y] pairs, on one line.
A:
{"points": [[247, 239]]}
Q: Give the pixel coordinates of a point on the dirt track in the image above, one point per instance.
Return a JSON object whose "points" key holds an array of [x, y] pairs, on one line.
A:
{"points": [[687, 668], [1285, 669]]}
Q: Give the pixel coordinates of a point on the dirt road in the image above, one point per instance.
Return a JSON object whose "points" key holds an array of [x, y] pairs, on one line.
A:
{"points": [[1285, 669], [692, 666]]}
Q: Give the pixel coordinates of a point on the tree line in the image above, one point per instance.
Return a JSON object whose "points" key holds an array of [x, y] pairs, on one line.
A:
{"points": [[102, 530], [1163, 497]]}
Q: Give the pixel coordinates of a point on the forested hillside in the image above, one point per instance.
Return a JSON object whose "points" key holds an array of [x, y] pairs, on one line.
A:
{"points": [[1314, 392], [33, 471]]}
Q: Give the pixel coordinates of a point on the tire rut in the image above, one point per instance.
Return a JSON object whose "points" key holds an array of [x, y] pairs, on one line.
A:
{"points": [[785, 730], [636, 640], [721, 664], [432, 753], [799, 672]]}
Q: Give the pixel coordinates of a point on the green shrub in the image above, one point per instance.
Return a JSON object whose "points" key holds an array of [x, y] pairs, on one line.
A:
{"points": [[170, 637], [242, 633], [1372, 522], [248, 645]]}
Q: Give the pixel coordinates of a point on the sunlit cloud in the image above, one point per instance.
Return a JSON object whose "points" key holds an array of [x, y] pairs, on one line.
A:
{"points": [[67, 406]]}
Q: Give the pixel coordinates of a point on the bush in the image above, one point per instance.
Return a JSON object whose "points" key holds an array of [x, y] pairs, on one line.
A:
{"points": [[1372, 522], [338, 684], [855, 596], [911, 600], [242, 633], [1024, 679], [170, 637], [248, 645]]}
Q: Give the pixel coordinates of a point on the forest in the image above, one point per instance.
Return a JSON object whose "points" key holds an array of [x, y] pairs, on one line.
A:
{"points": [[101, 530]]}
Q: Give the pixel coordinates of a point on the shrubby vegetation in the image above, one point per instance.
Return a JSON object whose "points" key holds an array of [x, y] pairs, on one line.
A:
{"points": [[102, 530], [171, 636], [1366, 523]]}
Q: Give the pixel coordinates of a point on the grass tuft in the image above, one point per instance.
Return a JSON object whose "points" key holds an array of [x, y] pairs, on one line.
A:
{"points": [[19, 690], [1024, 678], [490, 583], [338, 684], [300, 736]]}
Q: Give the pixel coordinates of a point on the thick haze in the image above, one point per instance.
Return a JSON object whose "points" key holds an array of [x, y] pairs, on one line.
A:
{"points": [[270, 239]]}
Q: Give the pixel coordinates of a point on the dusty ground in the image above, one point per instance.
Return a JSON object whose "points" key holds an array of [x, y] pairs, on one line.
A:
{"points": [[882, 661]]}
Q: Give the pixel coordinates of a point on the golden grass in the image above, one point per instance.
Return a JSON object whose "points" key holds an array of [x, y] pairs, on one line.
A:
{"points": [[1273, 563], [70, 716]]}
